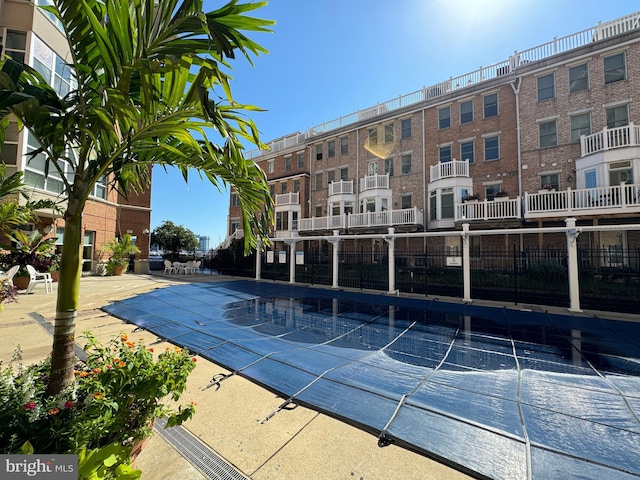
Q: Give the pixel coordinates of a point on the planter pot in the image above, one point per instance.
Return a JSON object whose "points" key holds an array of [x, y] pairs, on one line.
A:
{"points": [[500, 199], [117, 270], [21, 282], [544, 190], [55, 275], [471, 201]]}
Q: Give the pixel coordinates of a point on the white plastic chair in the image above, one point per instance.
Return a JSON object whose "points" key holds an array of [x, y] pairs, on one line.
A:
{"points": [[37, 277], [177, 267], [11, 273], [188, 267], [168, 267], [196, 267]]}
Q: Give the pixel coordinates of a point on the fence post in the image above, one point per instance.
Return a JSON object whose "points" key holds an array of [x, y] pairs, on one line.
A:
{"points": [[335, 241], [390, 239], [292, 257], [466, 264], [572, 253], [258, 259]]}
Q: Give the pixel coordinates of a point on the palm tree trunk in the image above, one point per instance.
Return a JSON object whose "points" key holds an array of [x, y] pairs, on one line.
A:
{"points": [[62, 356]]}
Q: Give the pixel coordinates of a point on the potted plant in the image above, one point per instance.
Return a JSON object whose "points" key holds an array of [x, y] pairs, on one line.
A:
{"points": [[31, 249], [114, 400], [546, 188], [121, 249], [471, 198], [501, 196]]}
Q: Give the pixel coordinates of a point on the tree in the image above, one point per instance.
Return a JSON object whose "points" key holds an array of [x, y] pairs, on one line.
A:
{"points": [[174, 238], [149, 82]]}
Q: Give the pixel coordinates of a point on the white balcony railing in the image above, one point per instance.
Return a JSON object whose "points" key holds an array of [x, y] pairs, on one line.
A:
{"points": [[341, 187], [623, 198], [488, 210], [455, 168], [371, 182], [389, 218], [237, 235], [288, 199], [610, 138]]}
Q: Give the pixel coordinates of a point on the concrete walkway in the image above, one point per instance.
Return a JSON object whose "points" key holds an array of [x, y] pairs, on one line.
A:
{"points": [[294, 444]]}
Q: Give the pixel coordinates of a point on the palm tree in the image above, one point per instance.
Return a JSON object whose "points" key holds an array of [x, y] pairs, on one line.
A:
{"points": [[147, 75]]}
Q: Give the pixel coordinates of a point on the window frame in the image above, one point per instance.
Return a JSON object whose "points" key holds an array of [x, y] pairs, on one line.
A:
{"points": [[576, 138], [344, 145], [372, 136], [579, 83], [489, 107], [287, 164], [389, 133], [617, 122], [319, 151], [466, 116], [444, 154], [331, 148], [388, 166], [491, 148], [300, 160], [405, 128], [546, 137], [318, 181], [444, 122], [471, 159], [610, 71], [405, 166], [552, 179], [549, 89], [404, 202]]}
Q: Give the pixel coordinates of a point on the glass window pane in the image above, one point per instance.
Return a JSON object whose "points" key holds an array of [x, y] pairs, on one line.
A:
{"points": [[614, 68], [491, 148], [580, 125], [491, 105], [578, 78], [466, 152], [548, 136], [617, 116], [546, 88]]}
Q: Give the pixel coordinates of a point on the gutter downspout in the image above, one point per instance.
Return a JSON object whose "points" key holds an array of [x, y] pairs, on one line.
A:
{"points": [[516, 91]]}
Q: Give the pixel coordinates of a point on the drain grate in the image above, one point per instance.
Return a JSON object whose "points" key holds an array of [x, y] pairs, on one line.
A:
{"points": [[197, 453]]}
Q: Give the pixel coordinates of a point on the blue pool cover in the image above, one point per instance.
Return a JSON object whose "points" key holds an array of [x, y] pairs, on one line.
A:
{"points": [[497, 393]]}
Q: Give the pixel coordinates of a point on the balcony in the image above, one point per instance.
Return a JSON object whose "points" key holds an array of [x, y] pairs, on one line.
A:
{"points": [[335, 222], [609, 139], [341, 187], [373, 182], [452, 169], [496, 209], [288, 199], [389, 218], [617, 200]]}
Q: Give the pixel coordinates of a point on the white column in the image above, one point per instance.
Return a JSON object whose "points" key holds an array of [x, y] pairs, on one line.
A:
{"points": [[258, 259], [572, 253], [335, 241], [466, 264], [390, 239]]}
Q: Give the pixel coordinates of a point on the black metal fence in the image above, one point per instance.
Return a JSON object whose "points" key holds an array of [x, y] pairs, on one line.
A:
{"points": [[609, 278]]}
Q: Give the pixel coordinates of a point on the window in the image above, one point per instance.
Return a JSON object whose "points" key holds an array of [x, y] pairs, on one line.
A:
{"points": [[16, 45], [373, 136], [283, 188], [444, 117], [548, 134], [433, 205], [590, 179], [319, 152], [388, 166], [491, 148], [406, 128], [617, 116], [300, 158], [388, 133], [446, 203], [35, 167], [344, 173], [319, 183], [100, 188], [372, 168], [52, 67], [578, 78], [445, 154], [272, 190], [466, 112], [406, 164], [270, 166], [546, 87], [87, 250], [50, 15], [490, 191], [551, 180], [490, 105], [287, 164], [331, 147], [614, 68], [406, 201], [467, 151], [282, 221], [296, 186], [580, 125], [318, 210], [9, 150], [331, 176], [235, 225], [620, 172], [344, 145]]}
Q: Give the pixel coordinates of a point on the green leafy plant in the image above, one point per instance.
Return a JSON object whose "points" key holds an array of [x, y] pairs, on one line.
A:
{"points": [[116, 396], [121, 249]]}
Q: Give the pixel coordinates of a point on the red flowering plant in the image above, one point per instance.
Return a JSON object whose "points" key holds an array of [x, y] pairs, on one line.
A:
{"points": [[119, 392]]}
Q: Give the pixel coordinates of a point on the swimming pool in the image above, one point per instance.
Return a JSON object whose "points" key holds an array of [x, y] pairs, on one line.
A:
{"points": [[502, 393]]}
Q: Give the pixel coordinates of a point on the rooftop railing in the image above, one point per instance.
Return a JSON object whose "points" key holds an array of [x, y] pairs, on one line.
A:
{"points": [[558, 45]]}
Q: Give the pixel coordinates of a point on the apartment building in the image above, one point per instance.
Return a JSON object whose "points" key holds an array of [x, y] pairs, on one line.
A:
{"points": [[31, 34], [547, 134]]}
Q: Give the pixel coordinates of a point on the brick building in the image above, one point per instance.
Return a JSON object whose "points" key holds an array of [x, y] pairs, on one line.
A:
{"points": [[547, 134], [31, 34]]}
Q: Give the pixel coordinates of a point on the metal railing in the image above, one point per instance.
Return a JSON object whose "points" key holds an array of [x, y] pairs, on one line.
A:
{"points": [[388, 218]]}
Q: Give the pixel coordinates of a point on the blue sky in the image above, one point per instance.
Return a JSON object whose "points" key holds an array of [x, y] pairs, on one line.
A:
{"points": [[332, 57]]}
